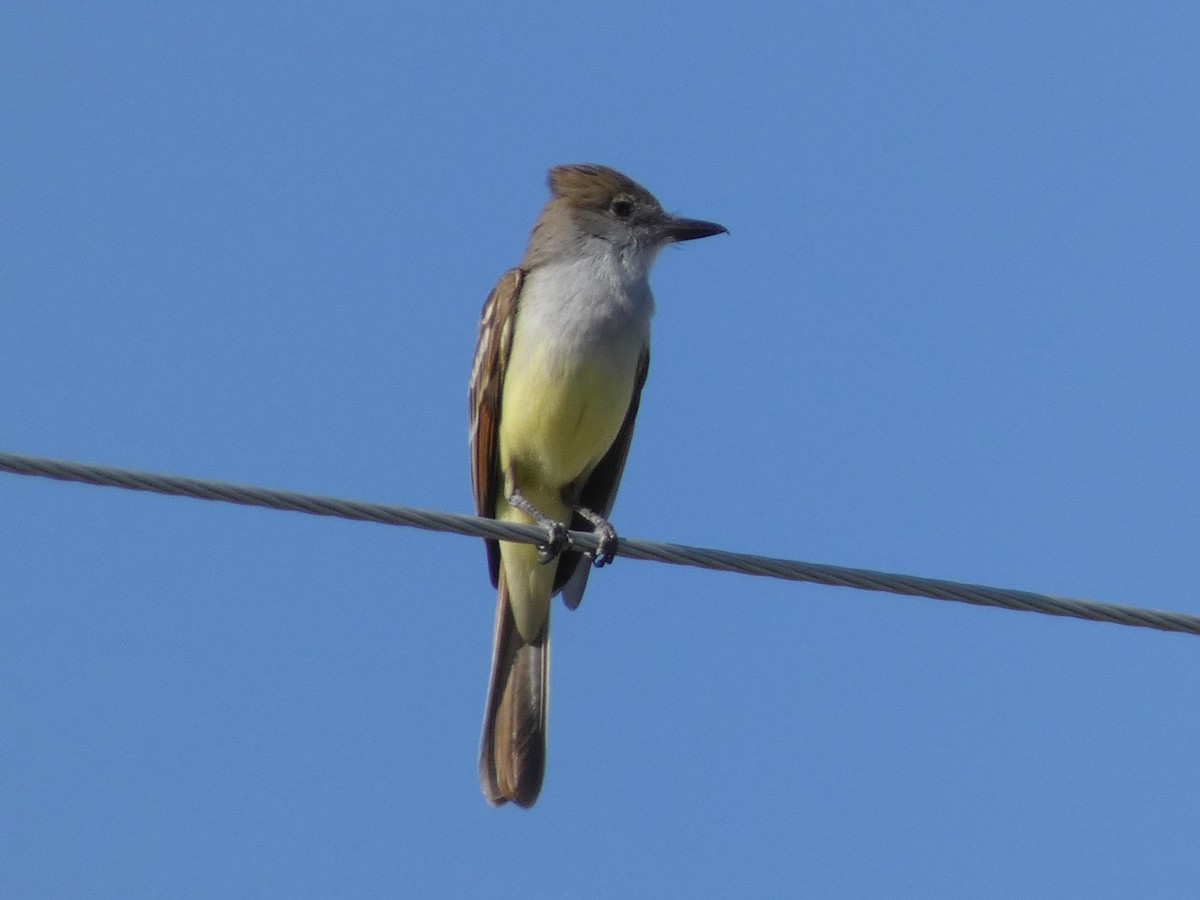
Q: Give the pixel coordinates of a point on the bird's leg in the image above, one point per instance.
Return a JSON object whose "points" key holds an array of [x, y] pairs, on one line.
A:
{"points": [[606, 537], [556, 531]]}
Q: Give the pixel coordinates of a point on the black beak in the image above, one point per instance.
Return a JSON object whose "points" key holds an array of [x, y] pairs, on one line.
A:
{"points": [[676, 229]]}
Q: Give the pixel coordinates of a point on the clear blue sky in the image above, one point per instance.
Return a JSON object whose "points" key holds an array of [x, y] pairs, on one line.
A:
{"points": [[952, 331]]}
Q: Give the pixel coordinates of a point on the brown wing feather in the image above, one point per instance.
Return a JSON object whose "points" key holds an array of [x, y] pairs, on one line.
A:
{"points": [[487, 387], [600, 490]]}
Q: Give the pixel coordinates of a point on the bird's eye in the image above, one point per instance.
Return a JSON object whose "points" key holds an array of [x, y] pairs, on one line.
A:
{"points": [[622, 207]]}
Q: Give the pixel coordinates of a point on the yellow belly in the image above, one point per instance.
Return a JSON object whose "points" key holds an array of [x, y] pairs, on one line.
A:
{"points": [[556, 423]]}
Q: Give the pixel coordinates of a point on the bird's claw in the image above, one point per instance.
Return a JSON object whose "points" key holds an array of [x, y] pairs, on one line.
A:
{"points": [[606, 546], [557, 541]]}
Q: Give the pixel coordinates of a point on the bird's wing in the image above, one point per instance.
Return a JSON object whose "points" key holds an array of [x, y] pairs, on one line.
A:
{"points": [[487, 387], [600, 491]]}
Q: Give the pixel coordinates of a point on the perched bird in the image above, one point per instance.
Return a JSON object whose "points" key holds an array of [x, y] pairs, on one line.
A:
{"points": [[564, 347]]}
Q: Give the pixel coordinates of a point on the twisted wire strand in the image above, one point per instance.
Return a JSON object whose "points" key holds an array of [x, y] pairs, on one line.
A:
{"points": [[675, 554]]}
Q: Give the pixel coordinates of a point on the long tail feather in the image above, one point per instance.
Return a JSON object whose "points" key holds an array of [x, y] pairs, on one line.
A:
{"points": [[512, 753]]}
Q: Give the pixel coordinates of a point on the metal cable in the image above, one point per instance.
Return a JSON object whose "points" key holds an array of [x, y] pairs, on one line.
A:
{"points": [[676, 554]]}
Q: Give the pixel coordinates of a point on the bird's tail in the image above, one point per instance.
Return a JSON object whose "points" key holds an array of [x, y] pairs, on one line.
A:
{"points": [[512, 753]]}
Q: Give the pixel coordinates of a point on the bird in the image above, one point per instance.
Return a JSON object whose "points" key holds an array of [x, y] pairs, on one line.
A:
{"points": [[562, 355]]}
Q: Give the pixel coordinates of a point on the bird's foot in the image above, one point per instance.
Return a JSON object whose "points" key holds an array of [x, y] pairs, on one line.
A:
{"points": [[607, 542], [558, 541], [556, 532]]}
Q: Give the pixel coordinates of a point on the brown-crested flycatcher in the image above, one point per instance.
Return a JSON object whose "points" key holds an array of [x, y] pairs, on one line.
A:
{"points": [[564, 346]]}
